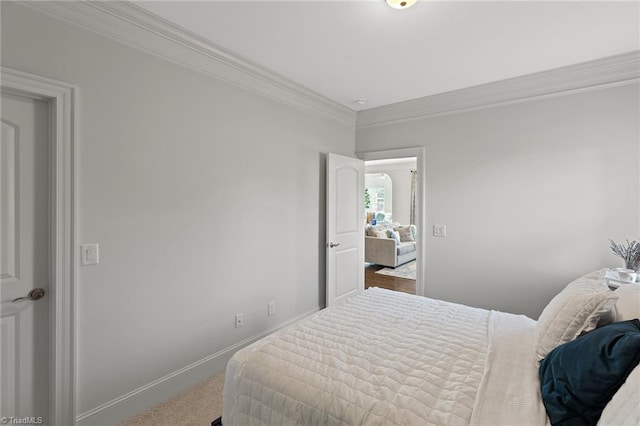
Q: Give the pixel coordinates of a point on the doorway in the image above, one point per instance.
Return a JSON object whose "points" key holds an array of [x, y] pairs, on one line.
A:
{"points": [[404, 208], [390, 204]]}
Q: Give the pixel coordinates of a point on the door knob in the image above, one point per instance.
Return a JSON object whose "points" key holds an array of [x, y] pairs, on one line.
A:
{"points": [[332, 245], [35, 294]]}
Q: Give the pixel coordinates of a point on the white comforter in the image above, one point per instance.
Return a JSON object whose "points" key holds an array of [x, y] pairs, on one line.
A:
{"points": [[389, 358]]}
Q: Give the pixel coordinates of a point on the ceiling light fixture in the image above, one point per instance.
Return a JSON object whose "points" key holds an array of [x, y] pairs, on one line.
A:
{"points": [[401, 4]]}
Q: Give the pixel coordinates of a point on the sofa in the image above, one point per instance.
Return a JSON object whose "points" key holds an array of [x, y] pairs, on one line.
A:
{"points": [[389, 244]]}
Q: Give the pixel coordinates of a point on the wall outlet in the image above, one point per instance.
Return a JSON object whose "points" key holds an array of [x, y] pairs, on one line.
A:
{"points": [[239, 320], [271, 308]]}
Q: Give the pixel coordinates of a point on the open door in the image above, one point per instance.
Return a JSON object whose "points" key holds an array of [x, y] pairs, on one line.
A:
{"points": [[25, 248], [345, 228]]}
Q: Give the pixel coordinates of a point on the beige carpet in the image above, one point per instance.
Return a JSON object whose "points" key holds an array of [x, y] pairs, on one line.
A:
{"points": [[197, 406]]}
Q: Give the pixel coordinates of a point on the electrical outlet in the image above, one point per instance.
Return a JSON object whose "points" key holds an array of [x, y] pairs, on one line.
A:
{"points": [[271, 308], [239, 320]]}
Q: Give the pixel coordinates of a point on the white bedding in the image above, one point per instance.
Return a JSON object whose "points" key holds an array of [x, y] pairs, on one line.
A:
{"points": [[389, 358]]}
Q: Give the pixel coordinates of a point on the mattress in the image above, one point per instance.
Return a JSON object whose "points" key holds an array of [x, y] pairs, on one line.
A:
{"points": [[385, 358]]}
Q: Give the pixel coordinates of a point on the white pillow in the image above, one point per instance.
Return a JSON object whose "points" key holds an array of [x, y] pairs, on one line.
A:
{"points": [[395, 235], [623, 409], [576, 309], [628, 304], [380, 234]]}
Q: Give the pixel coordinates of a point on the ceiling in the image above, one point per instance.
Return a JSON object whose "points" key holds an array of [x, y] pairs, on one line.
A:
{"points": [[351, 50]]}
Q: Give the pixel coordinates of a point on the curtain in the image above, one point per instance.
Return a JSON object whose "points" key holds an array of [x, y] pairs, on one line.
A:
{"points": [[414, 189]]}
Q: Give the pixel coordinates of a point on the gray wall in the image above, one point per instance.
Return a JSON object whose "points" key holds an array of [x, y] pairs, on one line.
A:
{"points": [[171, 167], [530, 193]]}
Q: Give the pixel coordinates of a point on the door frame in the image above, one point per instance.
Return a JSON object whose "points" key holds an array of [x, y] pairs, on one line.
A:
{"points": [[61, 100], [421, 220]]}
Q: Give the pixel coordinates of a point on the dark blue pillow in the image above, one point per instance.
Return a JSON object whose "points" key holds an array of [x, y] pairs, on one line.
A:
{"points": [[580, 377]]}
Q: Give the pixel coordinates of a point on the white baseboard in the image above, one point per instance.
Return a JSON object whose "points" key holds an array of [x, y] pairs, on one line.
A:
{"points": [[128, 405]]}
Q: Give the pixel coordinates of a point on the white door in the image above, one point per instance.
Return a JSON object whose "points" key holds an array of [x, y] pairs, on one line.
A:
{"points": [[24, 257], [345, 228]]}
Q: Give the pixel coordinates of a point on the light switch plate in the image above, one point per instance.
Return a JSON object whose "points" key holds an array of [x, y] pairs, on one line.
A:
{"points": [[439, 230], [89, 254]]}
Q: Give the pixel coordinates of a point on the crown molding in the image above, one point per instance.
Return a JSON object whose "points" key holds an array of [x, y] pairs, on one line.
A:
{"points": [[134, 26], [140, 29], [600, 73]]}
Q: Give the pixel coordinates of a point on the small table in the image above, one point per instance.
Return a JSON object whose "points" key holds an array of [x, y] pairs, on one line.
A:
{"points": [[613, 282]]}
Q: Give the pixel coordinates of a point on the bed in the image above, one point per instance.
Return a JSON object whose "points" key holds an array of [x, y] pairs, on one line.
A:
{"points": [[385, 357]]}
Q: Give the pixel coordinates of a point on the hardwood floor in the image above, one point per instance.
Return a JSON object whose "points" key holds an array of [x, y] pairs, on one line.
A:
{"points": [[371, 279]]}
